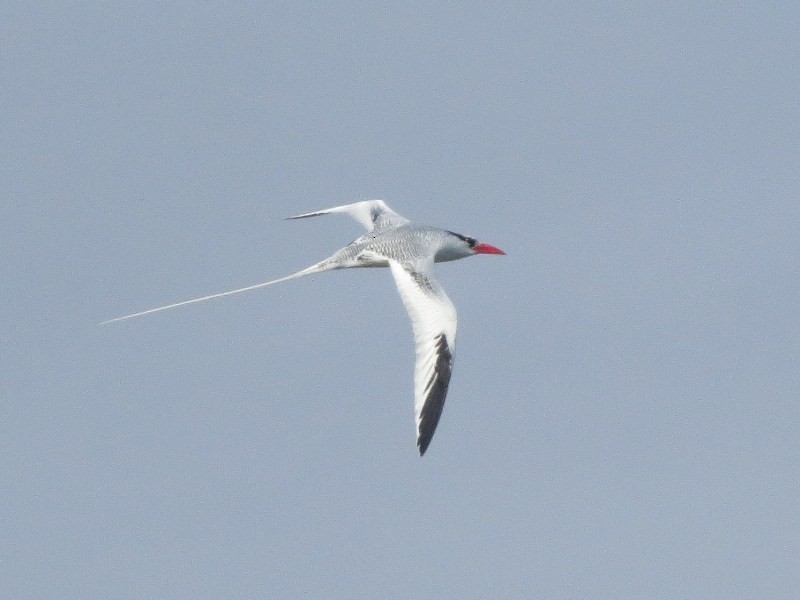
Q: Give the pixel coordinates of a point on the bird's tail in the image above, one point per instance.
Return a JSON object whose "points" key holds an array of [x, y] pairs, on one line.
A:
{"points": [[325, 265]]}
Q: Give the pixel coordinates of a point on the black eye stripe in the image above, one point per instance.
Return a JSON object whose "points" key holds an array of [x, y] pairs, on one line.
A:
{"points": [[470, 241]]}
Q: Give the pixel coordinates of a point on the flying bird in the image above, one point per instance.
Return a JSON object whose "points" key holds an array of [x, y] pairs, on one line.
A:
{"points": [[410, 251]]}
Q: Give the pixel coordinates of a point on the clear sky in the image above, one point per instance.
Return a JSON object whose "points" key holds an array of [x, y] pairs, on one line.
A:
{"points": [[623, 420]]}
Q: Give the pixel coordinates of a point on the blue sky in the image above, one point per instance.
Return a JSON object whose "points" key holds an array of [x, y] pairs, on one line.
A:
{"points": [[622, 420]]}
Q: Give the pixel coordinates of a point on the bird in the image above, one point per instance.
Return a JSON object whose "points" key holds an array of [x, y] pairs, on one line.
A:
{"points": [[409, 251]]}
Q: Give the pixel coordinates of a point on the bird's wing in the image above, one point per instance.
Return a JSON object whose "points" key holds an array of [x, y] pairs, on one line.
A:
{"points": [[434, 320], [372, 214]]}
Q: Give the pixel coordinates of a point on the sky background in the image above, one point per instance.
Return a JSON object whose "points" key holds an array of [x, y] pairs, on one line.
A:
{"points": [[623, 420]]}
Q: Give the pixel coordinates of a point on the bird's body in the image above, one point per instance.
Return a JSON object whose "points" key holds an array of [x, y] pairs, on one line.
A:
{"points": [[404, 243], [410, 251]]}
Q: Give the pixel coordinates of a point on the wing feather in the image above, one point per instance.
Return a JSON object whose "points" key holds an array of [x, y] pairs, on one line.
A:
{"points": [[374, 215], [434, 321]]}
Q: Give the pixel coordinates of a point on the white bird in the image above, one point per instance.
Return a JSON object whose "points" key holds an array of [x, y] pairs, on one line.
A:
{"points": [[410, 252]]}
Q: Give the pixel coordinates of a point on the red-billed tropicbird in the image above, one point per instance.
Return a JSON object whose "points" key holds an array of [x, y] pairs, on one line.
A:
{"points": [[410, 252]]}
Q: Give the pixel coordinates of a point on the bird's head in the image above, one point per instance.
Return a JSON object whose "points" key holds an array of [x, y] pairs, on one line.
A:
{"points": [[460, 246]]}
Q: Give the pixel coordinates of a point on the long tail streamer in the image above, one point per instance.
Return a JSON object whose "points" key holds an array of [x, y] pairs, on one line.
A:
{"points": [[317, 268]]}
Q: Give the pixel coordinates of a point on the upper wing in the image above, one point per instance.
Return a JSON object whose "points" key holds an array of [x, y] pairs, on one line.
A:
{"points": [[372, 214], [434, 320]]}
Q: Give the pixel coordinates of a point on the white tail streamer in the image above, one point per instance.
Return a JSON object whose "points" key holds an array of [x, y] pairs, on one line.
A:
{"points": [[318, 268]]}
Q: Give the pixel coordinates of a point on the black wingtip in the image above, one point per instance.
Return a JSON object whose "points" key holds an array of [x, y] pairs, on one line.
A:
{"points": [[432, 410]]}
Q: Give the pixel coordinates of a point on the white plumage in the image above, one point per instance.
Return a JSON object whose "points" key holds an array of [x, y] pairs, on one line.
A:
{"points": [[410, 251]]}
